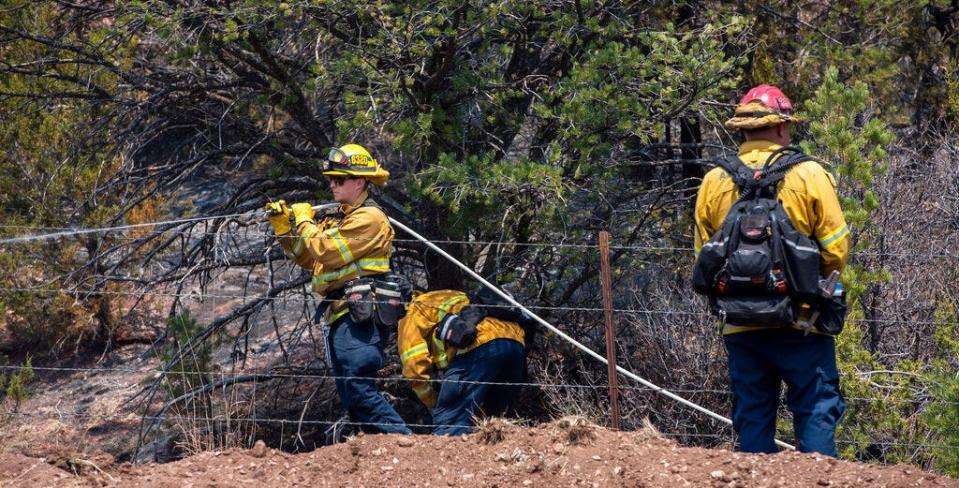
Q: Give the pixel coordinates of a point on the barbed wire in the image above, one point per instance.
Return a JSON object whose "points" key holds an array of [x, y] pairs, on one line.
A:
{"points": [[591, 244], [282, 421], [324, 376], [226, 419], [312, 299], [273, 374], [97, 230], [261, 234]]}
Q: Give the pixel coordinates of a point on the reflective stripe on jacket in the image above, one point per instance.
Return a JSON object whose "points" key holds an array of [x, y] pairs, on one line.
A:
{"points": [[339, 249], [422, 353], [807, 193]]}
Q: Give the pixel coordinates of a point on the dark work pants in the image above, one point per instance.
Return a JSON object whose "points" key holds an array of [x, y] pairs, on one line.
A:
{"points": [[759, 362], [497, 361], [357, 351]]}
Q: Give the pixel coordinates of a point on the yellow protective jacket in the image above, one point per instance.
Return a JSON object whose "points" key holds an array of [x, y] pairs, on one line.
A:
{"points": [[807, 193], [422, 352], [356, 242]]}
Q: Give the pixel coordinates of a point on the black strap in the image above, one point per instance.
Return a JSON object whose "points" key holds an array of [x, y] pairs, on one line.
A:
{"points": [[369, 202], [741, 174], [776, 240], [337, 214], [779, 163], [496, 307], [755, 182]]}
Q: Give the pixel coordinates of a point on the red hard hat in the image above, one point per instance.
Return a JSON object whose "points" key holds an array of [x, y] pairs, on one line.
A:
{"points": [[771, 96], [762, 106]]}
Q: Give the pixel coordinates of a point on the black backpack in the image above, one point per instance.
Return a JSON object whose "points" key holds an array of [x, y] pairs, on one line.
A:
{"points": [[758, 269]]}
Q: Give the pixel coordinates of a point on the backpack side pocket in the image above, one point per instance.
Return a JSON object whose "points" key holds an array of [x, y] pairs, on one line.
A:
{"points": [[832, 314]]}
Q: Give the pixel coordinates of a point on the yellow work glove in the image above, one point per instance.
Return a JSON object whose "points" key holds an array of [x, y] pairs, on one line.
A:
{"points": [[302, 212], [279, 215]]}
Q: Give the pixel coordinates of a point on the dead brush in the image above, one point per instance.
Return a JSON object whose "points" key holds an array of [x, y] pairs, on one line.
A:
{"points": [[493, 430], [213, 424], [648, 431], [578, 430]]}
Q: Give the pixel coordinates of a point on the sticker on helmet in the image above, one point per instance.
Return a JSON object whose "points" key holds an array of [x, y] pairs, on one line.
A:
{"points": [[361, 160]]}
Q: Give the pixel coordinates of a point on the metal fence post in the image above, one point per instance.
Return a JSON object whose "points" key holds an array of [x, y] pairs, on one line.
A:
{"points": [[607, 281]]}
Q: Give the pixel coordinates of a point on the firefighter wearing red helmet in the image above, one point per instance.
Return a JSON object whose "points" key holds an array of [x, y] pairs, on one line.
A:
{"points": [[763, 106], [762, 357]]}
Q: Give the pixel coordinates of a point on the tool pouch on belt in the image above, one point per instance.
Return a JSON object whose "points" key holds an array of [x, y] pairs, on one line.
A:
{"points": [[832, 314], [391, 294], [381, 299], [359, 297]]}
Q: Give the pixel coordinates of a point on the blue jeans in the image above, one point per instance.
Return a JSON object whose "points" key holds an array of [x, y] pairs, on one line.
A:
{"points": [[357, 350], [497, 361], [759, 362]]}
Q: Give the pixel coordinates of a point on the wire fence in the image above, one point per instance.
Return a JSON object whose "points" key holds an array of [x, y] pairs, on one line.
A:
{"points": [[305, 298], [310, 299], [271, 374], [564, 242], [148, 229]]}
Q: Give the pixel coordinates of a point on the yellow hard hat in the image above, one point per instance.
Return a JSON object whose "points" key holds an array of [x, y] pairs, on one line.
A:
{"points": [[355, 161]]}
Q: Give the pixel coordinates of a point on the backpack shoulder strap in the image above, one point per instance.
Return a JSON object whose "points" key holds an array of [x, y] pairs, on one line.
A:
{"points": [[779, 163], [369, 202], [741, 174], [338, 214]]}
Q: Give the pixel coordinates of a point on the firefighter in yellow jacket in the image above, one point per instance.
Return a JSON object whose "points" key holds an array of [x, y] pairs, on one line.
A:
{"points": [[761, 358], [471, 342], [345, 250]]}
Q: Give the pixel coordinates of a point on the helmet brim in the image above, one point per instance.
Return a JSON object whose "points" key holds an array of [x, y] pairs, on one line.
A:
{"points": [[379, 178], [754, 114], [751, 123]]}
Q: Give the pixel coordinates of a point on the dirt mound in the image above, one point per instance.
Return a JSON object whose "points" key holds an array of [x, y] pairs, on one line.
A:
{"points": [[568, 452]]}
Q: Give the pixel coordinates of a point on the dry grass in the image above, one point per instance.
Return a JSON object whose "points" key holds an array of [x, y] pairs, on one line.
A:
{"points": [[649, 431], [214, 422], [578, 431], [494, 430]]}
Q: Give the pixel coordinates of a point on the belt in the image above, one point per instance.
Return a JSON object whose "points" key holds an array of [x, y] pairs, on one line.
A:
{"points": [[339, 295]]}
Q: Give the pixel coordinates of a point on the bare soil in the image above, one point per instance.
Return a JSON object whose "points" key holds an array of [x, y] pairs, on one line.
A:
{"points": [[568, 452]]}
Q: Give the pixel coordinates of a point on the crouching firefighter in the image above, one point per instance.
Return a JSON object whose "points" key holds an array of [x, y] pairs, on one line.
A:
{"points": [[771, 240], [469, 341], [348, 252]]}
